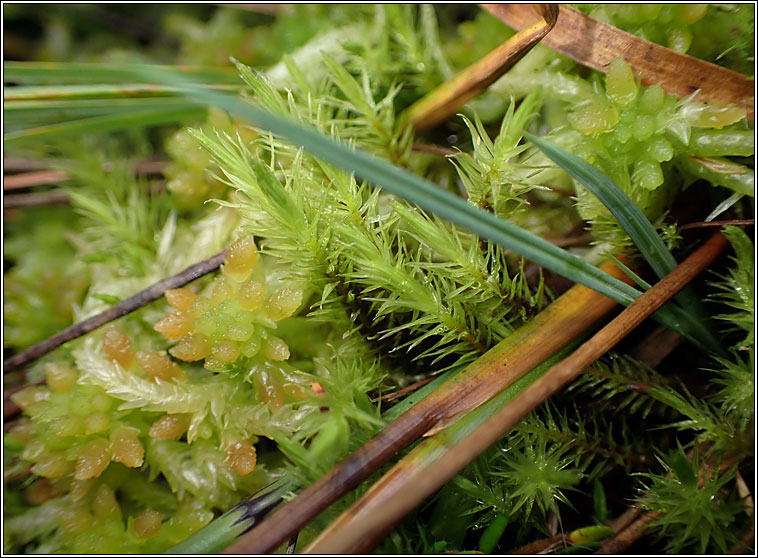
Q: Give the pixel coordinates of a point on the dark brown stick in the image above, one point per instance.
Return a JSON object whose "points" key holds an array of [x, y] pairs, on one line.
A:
{"points": [[154, 292], [435, 149], [656, 346], [400, 392], [542, 546], [15, 164], [745, 545]]}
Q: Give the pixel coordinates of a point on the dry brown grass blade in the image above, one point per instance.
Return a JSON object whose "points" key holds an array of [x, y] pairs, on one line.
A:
{"points": [[595, 44], [422, 472], [443, 101], [552, 329], [126, 306]]}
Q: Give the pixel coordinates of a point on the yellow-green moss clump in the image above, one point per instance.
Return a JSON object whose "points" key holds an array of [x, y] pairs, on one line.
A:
{"points": [[234, 316]]}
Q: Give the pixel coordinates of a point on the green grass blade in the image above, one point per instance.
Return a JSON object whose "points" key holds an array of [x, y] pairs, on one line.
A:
{"points": [[105, 123], [629, 216], [224, 530], [631, 219], [629, 273], [76, 72], [433, 199]]}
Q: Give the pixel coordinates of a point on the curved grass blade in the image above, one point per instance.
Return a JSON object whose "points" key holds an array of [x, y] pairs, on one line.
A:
{"points": [[431, 198], [629, 216]]}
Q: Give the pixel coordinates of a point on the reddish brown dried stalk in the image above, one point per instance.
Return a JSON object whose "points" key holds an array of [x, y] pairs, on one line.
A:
{"points": [[706, 224], [443, 101], [154, 292], [391, 396], [678, 74]]}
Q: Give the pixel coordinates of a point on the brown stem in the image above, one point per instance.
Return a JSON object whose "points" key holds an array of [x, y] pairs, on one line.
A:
{"points": [[15, 164], [542, 546], [443, 101], [540, 338], [154, 292], [401, 392], [408, 482], [435, 149], [656, 346], [704, 224]]}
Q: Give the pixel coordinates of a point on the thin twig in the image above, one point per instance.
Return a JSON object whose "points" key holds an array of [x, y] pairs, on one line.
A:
{"points": [[542, 546], [544, 335], [625, 538], [54, 197], [401, 392], [154, 292], [417, 475], [705, 224], [434, 149], [443, 101]]}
